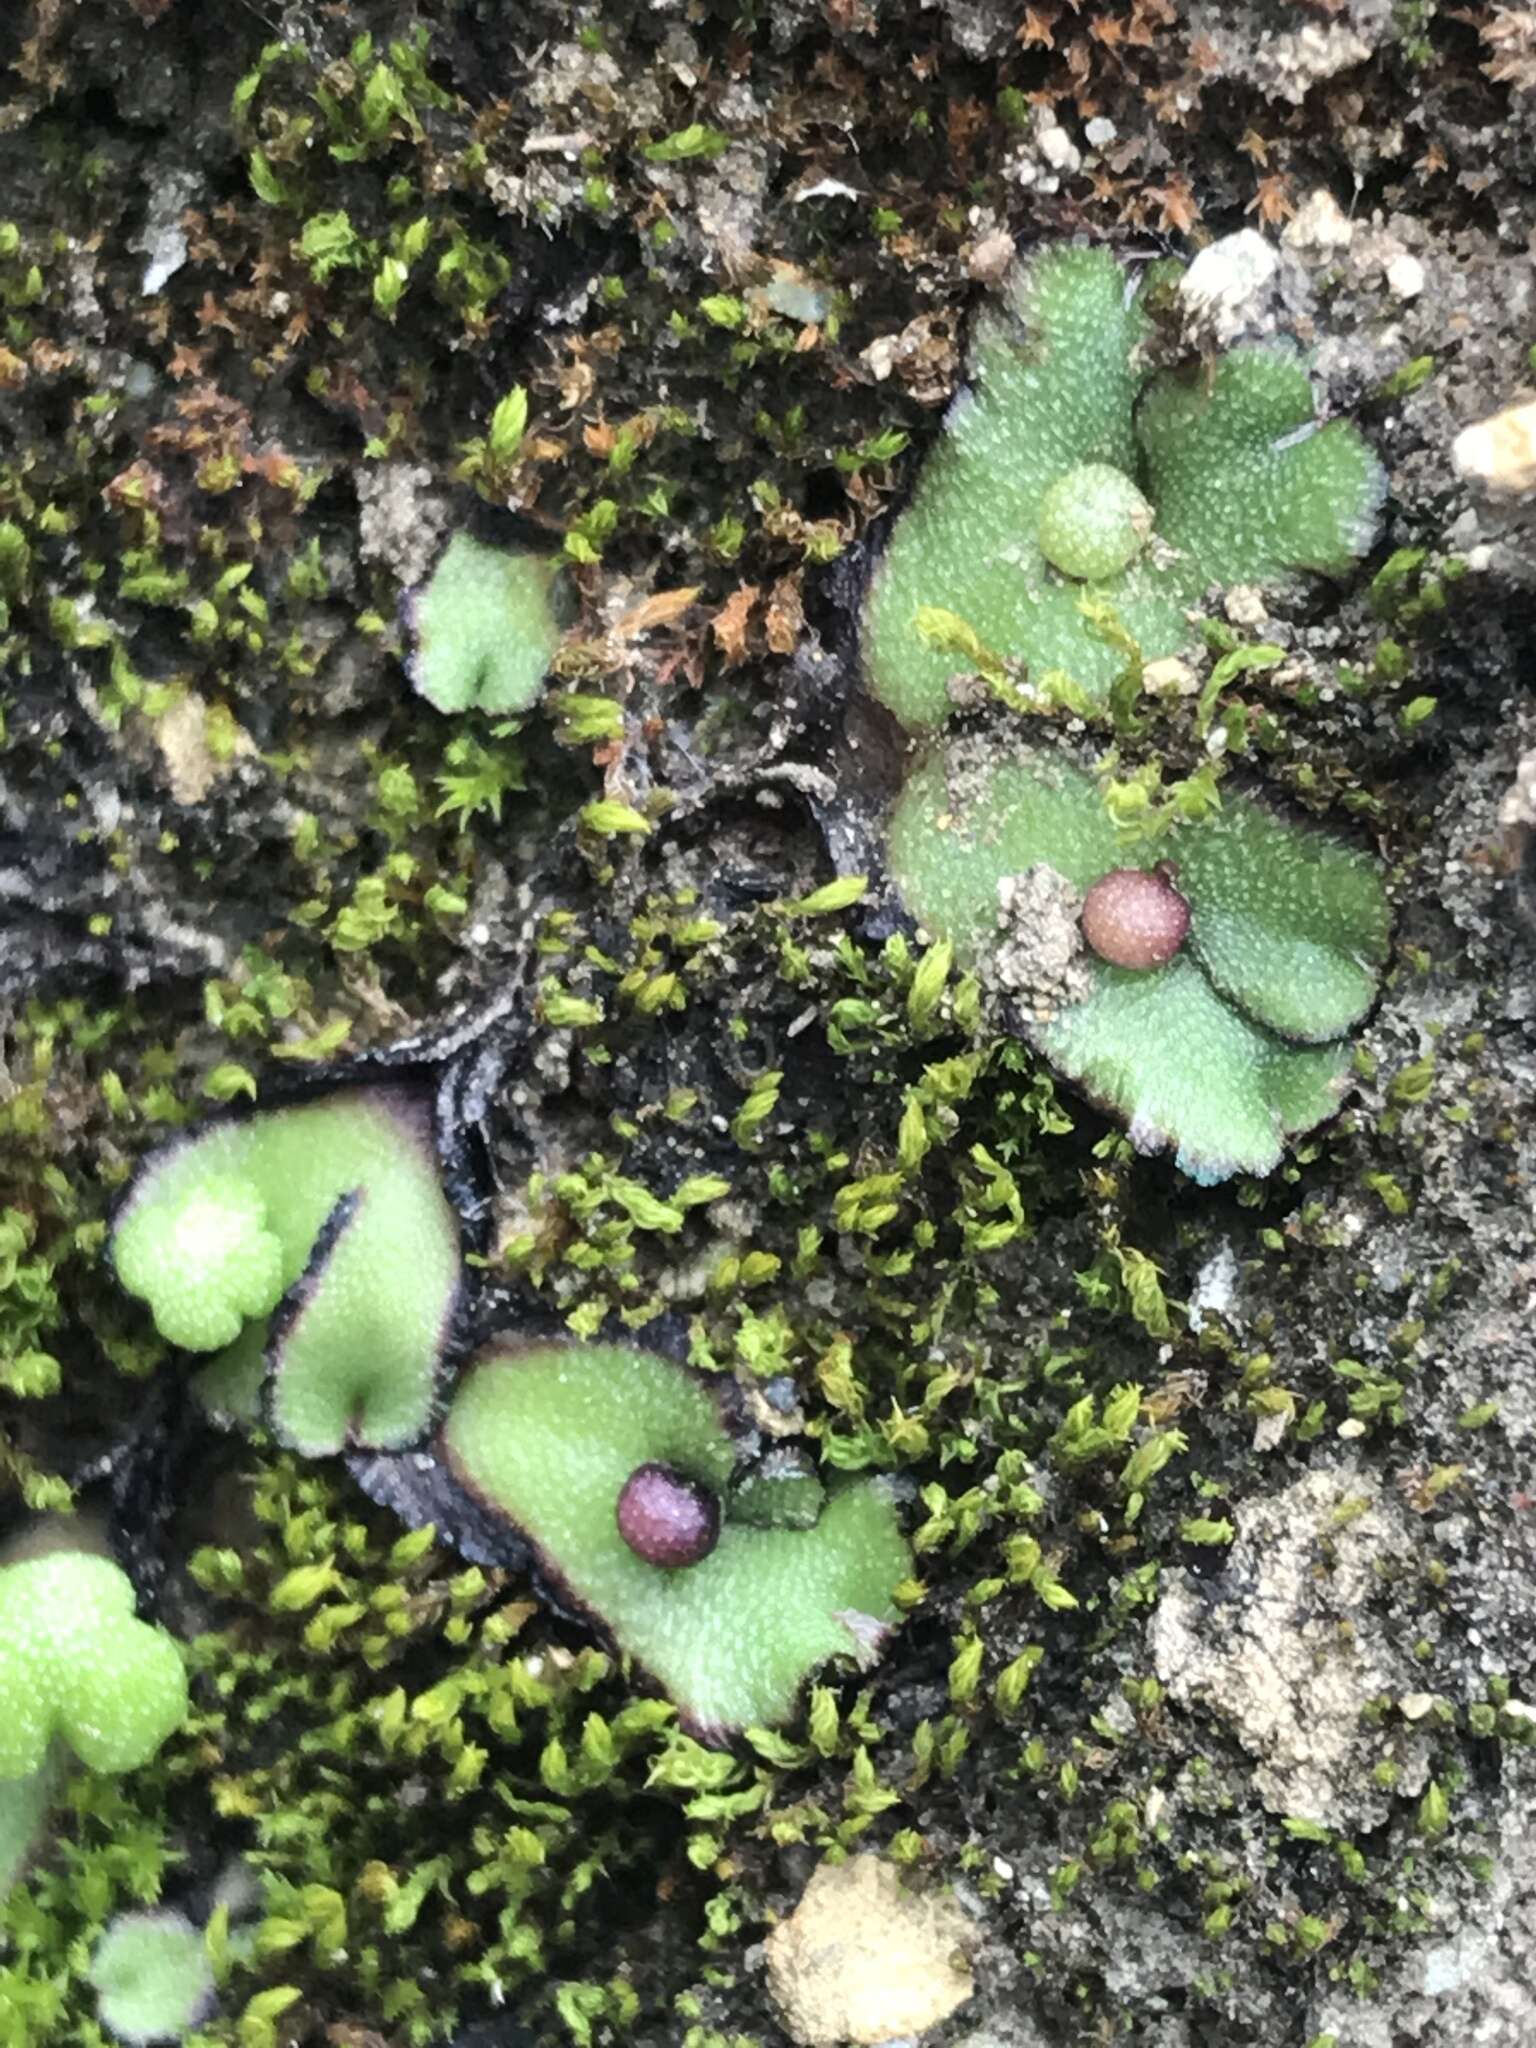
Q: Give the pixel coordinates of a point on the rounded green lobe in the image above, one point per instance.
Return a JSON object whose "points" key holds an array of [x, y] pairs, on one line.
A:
{"points": [[485, 628], [152, 1977], [204, 1261], [1186, 1070], [1290, 924], [1243, 479], [1093, 522], [230, 1386], [76, 1661], [550, 1434]]}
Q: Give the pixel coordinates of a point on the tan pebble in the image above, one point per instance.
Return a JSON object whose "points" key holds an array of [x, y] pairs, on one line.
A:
{"points": [[1169, 677], [1244, 605], [1500, 451], [862, 1960], [191, 766], [991, 256], [1319, 223]]}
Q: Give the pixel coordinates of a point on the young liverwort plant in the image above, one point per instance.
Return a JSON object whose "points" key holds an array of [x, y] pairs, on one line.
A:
{"points": [[77, 1665], [1071, 479], [152, 1978], [730, 1587], [1204, 990], [484, 628], [313, 1249]]}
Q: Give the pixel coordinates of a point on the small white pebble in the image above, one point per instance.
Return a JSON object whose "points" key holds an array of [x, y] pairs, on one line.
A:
{"points": [[1169, 677], [1244, 605], [990, 258], [880, 356], [1319, 223], [1058, 148], [1405, 276], [1227, 279]]}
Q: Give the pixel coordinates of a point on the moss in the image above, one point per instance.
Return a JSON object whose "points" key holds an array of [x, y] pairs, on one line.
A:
{"points": [[353, 1659], [109, 1850]]}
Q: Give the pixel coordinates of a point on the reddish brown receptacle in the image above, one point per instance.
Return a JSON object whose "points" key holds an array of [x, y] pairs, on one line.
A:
{"points": [[667, 1518], [1134, 917]]}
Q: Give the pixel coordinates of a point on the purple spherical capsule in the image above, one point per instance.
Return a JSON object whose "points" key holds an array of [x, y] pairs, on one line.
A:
{"points": [[667, 1518], [1134, 917]]}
